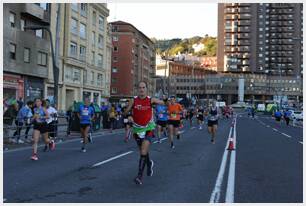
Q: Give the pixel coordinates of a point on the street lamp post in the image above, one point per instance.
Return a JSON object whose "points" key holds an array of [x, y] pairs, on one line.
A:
{"points": [[55, 67]]}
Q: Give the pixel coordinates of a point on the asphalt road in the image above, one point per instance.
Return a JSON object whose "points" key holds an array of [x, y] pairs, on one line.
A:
{"points": [[268, 168]]}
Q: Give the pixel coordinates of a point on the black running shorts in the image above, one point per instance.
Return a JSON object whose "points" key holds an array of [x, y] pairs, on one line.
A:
{"points": [[41, 127], [175, 123], [161, 123], [211, 123]]}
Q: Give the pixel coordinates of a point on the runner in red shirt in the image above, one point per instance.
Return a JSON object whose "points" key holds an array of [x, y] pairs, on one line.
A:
{"points": [[143, 127]]}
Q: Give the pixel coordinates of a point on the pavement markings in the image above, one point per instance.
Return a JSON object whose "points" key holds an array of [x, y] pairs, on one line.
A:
{"points": [[229, 195], [267, 125], [215, 195], [110, 159], [161, 140], [275, 129], [300, 142], [286, 135]]}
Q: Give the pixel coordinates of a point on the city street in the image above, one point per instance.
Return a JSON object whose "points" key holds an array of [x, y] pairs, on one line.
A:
{"points": [[266, 166]]}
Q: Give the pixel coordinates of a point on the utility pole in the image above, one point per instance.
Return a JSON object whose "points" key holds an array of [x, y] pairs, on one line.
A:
{"points": [[57, 46]]}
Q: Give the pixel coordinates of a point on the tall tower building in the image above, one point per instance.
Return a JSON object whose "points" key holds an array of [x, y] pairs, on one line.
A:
{"points": [[261, 37]]}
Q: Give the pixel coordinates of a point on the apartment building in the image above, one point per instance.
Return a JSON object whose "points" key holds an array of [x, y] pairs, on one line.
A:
{"points": [[26, 52], [84, 48], [133, 60], [264, 37]]}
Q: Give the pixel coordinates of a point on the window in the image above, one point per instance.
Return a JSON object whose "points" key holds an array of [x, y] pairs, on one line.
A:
{"points": [[114, 80], [39, 33], [99, 79], [92, 75], [85, 76], [100, 41], [115, 59], [74, 26], [73, 49], [115, 38], [115, 48], [114, 70], [100, 60], [114, 90], [84, 9], [43, 5], [93, 58], [12, 51], [42, 59], [101, 22], [26, 55], [83, 31], [22, 24], [12, 19], [93, 38], [74, 7], [94, 18], [82, 53]]}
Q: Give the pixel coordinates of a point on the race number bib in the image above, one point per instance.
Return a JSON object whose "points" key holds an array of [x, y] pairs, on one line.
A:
{"points": [[173, 115], [141, 134], [160, 115], [125, 120], [85, 112]]}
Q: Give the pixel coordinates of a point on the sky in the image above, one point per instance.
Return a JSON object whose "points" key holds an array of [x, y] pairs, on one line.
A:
{"points": [[168, 20]]}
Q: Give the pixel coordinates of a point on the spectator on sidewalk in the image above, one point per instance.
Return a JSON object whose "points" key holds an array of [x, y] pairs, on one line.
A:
{"points": [[24, 116], [8, 118], [112, 117], [20, 103]]}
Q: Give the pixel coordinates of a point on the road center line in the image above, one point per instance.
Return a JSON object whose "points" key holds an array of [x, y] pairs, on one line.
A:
{"points": [[215, 195], [110, 159], [275, 129], [230, 190], [268, 125], [286, 135]]}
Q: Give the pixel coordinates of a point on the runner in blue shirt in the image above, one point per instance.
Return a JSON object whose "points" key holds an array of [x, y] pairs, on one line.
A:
{"points": [[85, 115], [287, 114], [162, 117]]}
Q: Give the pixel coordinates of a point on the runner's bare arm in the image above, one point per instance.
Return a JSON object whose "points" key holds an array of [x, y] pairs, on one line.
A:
{"points": [[157, 101], [131, 102]]}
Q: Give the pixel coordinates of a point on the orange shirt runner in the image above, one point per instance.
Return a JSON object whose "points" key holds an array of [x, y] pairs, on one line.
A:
{"points": [[174, 111]]}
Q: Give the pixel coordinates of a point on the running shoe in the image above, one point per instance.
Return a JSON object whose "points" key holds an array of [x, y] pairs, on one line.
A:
{"points": [[138, 180], [172, 145], [150, 169], [34, 157], [212, 141], [83, 150], [52, 145], [45, 148], [159, 140], [178, 136]]}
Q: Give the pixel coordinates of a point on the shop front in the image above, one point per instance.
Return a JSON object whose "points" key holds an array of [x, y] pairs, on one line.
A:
{"points": [[34, 88], [13, 86]]}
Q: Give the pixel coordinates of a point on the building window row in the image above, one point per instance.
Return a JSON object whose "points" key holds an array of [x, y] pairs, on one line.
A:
{"points": [[41, 57]]}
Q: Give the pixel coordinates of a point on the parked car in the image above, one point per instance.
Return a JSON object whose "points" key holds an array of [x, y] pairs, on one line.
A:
{"points": [[298, 115]]}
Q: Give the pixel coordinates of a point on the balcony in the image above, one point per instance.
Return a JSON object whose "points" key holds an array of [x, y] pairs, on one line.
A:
{"points": [[243, 36], [244, 29], [244, 10], [244, 16], [244, 23], [34, 11]]}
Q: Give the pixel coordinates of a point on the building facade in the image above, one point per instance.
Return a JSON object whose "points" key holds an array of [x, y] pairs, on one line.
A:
{"points": [[83, 52], [25, 59], [133, 60], [260, 38], [224, 87]]}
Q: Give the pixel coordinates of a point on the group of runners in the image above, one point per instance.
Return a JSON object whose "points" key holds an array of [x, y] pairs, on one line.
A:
{"points": [[139, 121]]}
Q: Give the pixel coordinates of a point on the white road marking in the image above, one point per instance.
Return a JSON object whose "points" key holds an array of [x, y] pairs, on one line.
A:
{"points": [[161, 140], [275, 129], [300, 142], [4, 199], [230, 190], [215, 195], [110, 159], [267, 125], [286, 135], [192, 128]]}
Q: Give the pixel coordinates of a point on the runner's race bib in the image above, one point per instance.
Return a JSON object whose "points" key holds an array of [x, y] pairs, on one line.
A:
{"points": [[160, 115], [125, 120], [85, 112], [173, 115], [141, 134]]}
